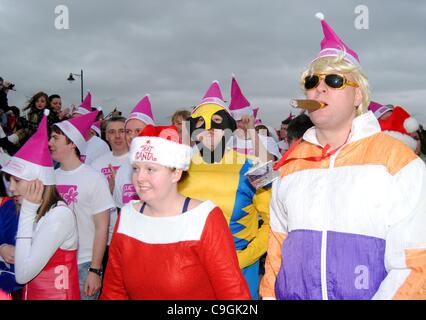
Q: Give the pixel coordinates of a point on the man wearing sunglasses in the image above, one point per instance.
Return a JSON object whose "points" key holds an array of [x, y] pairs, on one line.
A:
{"points": [[348, 215]]}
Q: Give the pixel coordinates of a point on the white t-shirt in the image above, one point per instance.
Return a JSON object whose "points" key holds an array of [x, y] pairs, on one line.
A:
{"points": [[124, 191], [95, 148], [102, 165], [87, 193], [56, 229]]}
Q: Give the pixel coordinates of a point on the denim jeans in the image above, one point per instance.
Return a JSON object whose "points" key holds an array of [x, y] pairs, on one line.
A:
{"points": [[82, 276]]}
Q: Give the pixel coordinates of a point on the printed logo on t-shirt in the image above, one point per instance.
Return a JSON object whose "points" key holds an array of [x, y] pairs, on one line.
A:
{"points": [[68, 193], [83, 158], [107, 171], [129, 193]]}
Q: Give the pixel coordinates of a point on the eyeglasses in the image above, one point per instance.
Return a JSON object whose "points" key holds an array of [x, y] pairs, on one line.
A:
{"points": [[335, 81]]}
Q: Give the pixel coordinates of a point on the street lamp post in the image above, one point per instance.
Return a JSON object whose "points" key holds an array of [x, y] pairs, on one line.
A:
{"points": [[71, 79]]}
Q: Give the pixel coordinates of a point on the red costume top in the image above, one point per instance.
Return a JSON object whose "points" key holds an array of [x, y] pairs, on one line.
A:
{"points": [[58, 280], [183, 257]]}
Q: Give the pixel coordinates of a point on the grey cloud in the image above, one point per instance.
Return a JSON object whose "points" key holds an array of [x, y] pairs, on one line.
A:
{"points": [[174, 49]]}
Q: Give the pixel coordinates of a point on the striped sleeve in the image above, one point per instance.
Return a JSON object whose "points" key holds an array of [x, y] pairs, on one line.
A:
{"points": [[278, 233], [405, 255]]}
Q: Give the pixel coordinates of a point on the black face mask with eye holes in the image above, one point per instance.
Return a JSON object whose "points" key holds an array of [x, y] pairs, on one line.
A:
{"points": [[228, 124]]}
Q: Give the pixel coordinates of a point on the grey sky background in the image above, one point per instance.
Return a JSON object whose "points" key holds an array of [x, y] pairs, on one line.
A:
{"points": [[173, 49]]}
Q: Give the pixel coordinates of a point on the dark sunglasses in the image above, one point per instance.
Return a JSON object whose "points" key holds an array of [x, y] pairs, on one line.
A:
{"points": [[335, 81]]}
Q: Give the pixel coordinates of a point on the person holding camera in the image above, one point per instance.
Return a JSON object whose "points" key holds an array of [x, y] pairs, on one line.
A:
{"points": [[5, 86]]}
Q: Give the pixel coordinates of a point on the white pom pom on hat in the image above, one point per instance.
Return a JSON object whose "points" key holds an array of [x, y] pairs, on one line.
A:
{"points": [[411, 125], [319, 15]]}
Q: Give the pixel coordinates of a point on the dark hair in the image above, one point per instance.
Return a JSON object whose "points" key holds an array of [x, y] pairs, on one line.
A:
{"points": [[263, 127], [54, 96], [298, 126], [32, 102], [422, 137], [115, 119], [3, 192], [288, 120], [15, 111], [57, 130]]}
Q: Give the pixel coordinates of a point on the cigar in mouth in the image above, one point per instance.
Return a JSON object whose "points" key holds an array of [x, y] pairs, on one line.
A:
{"points": [[310, 105]]}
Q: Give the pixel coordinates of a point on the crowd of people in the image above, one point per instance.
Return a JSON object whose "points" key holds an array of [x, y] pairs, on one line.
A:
{"points": [[112, 207]]}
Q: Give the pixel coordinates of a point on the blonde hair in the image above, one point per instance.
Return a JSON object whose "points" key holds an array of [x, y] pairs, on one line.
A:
{"points": [[341, 66]]}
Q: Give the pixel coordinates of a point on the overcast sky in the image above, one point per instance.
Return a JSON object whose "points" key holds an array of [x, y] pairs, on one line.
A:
{"points": [[173, 49]]}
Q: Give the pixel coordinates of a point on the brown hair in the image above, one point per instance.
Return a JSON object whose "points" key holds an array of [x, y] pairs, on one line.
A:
{"points": [[185, 114], [57, 130], [51, 197], [32, 102]]}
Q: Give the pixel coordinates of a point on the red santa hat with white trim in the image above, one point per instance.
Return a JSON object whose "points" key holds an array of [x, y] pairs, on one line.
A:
{"points": [[86, 105], [33, 160], [77, 129], [160, 145], [239, 105], [142, 111], [400, 125]]}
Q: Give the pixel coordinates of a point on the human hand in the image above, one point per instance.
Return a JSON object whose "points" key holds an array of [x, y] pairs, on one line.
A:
{"points": [[34, 192], [21, 133], [7, 252], [247, 122], [92, 284], [64, 113]]}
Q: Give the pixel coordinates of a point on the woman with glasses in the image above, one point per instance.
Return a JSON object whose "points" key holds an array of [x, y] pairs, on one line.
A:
{"points": [[348, 215]]}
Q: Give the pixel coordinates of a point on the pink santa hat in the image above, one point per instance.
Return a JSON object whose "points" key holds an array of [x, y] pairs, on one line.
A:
{"points": [[86, 105], [212, 96], [142, 111], [33, 159], [378, 109], [333, 46], [77, 129], [400, 125], [239, 105], [96, 127]]}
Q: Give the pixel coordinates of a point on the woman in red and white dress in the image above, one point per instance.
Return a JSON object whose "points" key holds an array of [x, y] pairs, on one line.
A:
{"points": [[46, 241], [166, 246]]}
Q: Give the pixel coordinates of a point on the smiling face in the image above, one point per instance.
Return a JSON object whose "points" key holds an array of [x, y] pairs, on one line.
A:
{"points": [[41, 103], [153, 182], [56, 104], [115, 135]]}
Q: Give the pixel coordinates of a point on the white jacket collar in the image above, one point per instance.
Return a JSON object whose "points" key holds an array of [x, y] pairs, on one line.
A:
{"points": [[363, 126]]}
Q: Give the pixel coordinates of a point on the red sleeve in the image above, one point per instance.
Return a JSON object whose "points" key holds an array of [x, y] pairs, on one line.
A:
{"points": [[113, 286], [219, 257]]}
